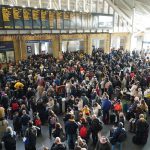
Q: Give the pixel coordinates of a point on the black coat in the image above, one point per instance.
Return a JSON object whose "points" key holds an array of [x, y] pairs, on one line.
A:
{"points": [[9, 141]]}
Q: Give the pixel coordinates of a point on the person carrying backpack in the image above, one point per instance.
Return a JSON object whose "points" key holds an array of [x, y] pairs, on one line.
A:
{"points": [[118, 136], [83, 132], [9, 139]]}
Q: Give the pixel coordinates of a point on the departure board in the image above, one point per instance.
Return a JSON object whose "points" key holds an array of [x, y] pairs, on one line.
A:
{"points": [[84, 20], [59, 20], [1, 19], [66, 20], [45, 19], [18, 17], [72, 20], [79, 20], [7, 14], [52, 20], [27, 17], [36, 18]]}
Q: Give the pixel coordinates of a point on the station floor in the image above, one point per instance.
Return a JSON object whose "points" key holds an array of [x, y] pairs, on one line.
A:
{"points": [[44, 140]]}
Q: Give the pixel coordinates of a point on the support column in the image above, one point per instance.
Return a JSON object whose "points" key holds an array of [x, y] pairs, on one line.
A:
{"points": [[28, 3], [76, 7], [50, 4], [68, 5]]}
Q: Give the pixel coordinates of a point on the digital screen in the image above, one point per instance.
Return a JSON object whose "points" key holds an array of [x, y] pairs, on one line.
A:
{"points": [[1, 18], [6, 46], [36, 18], [27, 17], [45, 19], [72, 20], [66, 20], [59, 20], [18, 17], [89, 21], [52, 19], [105, 22], [79, 20], [95, 21], [7, 14], [85, 21]]}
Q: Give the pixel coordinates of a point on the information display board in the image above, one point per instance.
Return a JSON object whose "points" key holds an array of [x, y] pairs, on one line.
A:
{"points": [[84, 20], [7, 14], [106, 21], [59, 16], [18, 17], [36, 18], [79, 20], [45, 19], [1, 19], [72, 20], [52, 19], [27, 17], [66, 20]]}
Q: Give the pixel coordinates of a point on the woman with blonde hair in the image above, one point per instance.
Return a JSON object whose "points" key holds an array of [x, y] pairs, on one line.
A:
{"points": [[142, 130]]}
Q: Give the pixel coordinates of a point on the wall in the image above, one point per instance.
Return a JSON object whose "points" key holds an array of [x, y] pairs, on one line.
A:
{"points": [[20, 42], [126, 35]]}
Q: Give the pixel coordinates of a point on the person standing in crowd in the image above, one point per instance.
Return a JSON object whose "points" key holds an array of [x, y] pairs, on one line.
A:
{"points": [[71, 128], [106, 106], [118, 135], [9, 139], [25, 118], [103, 144], [57, 145], [96, 126], [142, 130], [30, 137]]}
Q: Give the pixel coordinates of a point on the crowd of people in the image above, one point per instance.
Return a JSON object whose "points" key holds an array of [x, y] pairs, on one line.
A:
{"points": [[76, 97]]}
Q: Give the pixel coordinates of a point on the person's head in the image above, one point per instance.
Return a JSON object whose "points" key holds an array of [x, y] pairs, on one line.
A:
{"points": [[24, 112], [141, 116], [30, 123], [120, 125], [45, 148], [58, 125], [9, 130], [57, 140], [103, 140]]}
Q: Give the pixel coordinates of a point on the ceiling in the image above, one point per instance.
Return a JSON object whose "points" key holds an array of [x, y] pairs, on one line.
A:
{"points": [[137, 11]]}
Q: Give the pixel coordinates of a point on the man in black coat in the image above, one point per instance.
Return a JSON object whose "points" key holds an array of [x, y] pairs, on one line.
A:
{"points": [[96, 126]]}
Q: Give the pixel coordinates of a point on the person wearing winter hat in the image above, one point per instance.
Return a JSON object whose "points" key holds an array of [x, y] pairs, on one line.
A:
{"points": [[103, 144]]}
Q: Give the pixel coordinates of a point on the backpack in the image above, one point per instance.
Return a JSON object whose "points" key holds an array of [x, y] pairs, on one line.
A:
{"points": [[83, 132], [37, 122], [122, 136], [15, 106]]}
